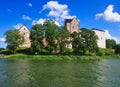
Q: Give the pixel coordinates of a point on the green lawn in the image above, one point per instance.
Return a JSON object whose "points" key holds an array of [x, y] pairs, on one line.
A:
{"points": [[58, 57]]}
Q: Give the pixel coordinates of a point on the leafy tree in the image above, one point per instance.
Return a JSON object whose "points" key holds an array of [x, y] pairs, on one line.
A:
{"points": [[63, 36], [77, 43], [89, 40], [110, 43], [117, 49], [36, 37], [14, 39], [50, 34]]}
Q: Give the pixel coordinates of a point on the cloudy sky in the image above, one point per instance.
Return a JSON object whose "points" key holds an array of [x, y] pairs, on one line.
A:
{"points": [[100, 14]]}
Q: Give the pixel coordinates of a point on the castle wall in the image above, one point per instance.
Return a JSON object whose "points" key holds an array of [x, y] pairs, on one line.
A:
{"points": [[101, 38], [73, 26], [26, 34]]}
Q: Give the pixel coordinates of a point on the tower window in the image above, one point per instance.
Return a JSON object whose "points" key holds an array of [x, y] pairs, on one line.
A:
{"points": [[24, 33]]}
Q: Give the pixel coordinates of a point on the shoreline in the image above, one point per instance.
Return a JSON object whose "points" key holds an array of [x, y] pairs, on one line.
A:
{"points": [[58, 57]]}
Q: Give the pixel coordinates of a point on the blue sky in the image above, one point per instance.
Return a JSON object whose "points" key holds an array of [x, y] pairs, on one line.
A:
{"points": [[100, 14]]}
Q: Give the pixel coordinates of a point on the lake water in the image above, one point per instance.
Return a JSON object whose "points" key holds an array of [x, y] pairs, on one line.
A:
{"points": [[29, 73]]}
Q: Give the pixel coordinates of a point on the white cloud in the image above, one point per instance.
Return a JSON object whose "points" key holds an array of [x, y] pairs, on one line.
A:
{"points": [[58, 12], [109, 15], [41, 21], [2, 39], [30, 4], [18, 26], [24, 17], [57, 23], [109, 36]]}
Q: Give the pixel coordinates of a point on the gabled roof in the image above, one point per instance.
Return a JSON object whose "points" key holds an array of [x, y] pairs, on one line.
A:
{"points": [[69, 20], [98, 29], [23, 26]]}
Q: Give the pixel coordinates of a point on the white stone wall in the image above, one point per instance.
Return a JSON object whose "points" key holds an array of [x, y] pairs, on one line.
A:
{"points": [[101, 38]]}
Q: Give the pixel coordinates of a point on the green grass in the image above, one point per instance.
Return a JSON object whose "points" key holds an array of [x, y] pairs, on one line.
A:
{"points": [[58, 57]]}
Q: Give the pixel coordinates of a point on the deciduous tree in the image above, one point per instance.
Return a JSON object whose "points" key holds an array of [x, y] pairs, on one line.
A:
{"points": [[14, 39], [36, 36], [63, 38], [90, 40], [110, 43], [50, 34]]}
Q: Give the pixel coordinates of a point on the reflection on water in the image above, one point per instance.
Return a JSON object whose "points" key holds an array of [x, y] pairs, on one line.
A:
{"points": [[28, 73]]}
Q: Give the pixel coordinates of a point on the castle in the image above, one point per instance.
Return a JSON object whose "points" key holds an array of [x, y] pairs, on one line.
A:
{"points": [[73, 26], [24, 31]]}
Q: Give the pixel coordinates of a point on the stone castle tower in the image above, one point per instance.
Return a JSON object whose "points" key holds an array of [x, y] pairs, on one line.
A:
{"points": [[24, 31], [101, 42], [72, 25]]}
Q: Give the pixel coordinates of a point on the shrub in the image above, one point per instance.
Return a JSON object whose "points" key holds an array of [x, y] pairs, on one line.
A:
{"points": [[68, 51], [117, 49], [105, 51]]}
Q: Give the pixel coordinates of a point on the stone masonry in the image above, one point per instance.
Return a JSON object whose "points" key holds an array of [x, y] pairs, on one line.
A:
{"points": [[101, 38], [24, 31], [72, 25]]}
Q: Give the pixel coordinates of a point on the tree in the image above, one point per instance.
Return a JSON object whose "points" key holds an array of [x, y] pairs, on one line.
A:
{"points": [[50, 34], [90, 40], [110, 43], [117, 49], [14, 39], [63, 36], [36, 37], [77, 43]]}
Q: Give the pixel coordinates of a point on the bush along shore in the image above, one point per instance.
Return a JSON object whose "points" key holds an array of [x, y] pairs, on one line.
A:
{"points": [[24, 53]]}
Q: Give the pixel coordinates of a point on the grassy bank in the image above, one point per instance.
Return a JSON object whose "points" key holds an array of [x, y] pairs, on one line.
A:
{"points": [[58, 57]]}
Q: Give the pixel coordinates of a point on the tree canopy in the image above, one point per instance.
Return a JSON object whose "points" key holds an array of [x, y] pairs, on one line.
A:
{"points": [[117, 49], [14, 39], [50, 34], [110, 43], [62, 37], [36, 37], [89, 40]]}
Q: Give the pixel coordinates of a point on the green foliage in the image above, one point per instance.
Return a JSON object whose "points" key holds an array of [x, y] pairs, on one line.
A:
{"points": [[14, 39], [77, 43], [68, 51], [58, 57], [50, 34], [36, 36], [117, 49], [62, 37], [85, 41], [90, 40], [105, 51], [5, 51], [23, 50], [2, 49], [110, 43]]}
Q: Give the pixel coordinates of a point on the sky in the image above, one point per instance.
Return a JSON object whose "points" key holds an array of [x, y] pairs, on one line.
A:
{"points": [[100, 14]]}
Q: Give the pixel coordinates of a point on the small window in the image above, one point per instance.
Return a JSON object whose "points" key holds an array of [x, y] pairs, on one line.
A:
{"points": [[24, 33]]}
